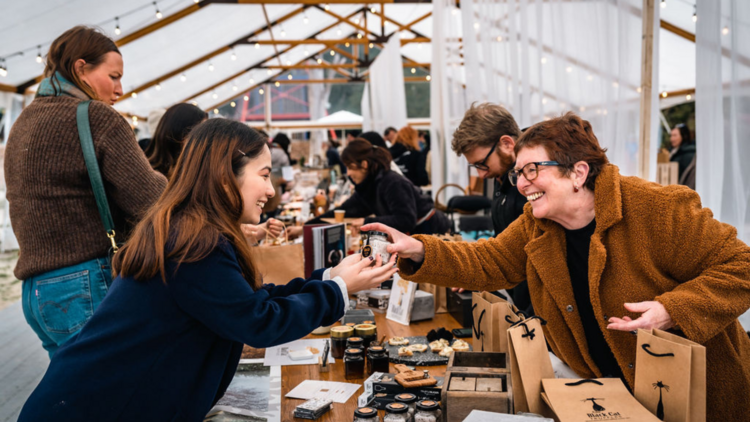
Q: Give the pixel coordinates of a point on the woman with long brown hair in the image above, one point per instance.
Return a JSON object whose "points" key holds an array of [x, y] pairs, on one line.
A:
{"points": [[166, 145], [166, 341], [63, 259], [408, 156]]}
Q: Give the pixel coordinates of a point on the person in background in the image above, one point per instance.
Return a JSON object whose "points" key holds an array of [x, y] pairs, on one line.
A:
{"points": [[332, 156], [378, 191], [351, 135], [154, 116], [63, 258], [170, 135], [606, 255], [165, 343], [487, 136], [390, 136], [683, 152], [285, 143], [377, 140], [279, 158], [408, 157], [424, 136]]}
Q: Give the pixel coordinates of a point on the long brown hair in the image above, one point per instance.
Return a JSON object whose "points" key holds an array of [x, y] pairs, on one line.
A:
{"points": [[79, 42], [173, 128], [408, 137], [201, 204], [378, 158]]}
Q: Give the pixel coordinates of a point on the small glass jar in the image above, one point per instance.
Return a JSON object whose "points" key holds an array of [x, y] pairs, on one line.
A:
{"points": [[427, 411], [350, 324], [377, 360], [354, 363], [367, 332], [396, 412], [408, 399], [366, 414], [355, 342], [375, 244], [339, 336]]}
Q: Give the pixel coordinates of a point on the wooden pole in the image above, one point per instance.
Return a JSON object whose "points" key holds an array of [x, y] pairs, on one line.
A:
{"points": [[647, 69]]}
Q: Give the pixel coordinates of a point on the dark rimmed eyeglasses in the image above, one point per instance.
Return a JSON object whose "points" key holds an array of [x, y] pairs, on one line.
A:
{"points": [[530, 171], [482, 164]]}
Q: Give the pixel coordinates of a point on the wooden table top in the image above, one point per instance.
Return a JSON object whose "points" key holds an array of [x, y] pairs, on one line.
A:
{"points": [[291, 376]]}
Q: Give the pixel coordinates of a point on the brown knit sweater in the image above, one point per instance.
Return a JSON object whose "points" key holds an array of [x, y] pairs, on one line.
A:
{"points": [[52, 205]]}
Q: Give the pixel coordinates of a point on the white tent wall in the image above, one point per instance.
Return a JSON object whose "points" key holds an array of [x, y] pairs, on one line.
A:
{"points": [[543, 59], [386, 93], [722, 112], [317, 95], [447, 97]]}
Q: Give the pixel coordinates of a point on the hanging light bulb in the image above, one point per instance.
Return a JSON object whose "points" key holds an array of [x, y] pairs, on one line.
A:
{"points": [[195, 103], [134, 95], [289, 77], [252, 81], [695, 13], [338, 30], [3, 69], [277, 84], [305, 19], [246, 98], [269, 71], [158, 13], [428, 78], [413, 70], [283, 33], [307, 53], [196, 1], [688, 97], [214, 96], [663, 4], [183, 77], [39, 54], [234, 55], [328, 6], [261, 92], [725, 30], [476, 25], [233, 104], [216, 111], [235, 88], [333, 53], [664, 94], [210, 67], [157, 86], [373, 10], [320, 60], [569, 69], [356, 21], [544, 60], [544, 100], [347, 44], [117, 26], [288, 62], [359, 35], [499, 38], [257, 45], [371, 45]]}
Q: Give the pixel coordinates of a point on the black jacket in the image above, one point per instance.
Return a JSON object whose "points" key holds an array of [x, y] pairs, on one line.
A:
{"points": [[395, 202], [412, 163], [333, 157], [507, 206], [683, 156]]}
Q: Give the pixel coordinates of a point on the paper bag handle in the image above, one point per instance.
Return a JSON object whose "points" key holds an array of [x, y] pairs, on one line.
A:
{"points": [[645, 347], [583, 381], [476, 328], [269, 235]]}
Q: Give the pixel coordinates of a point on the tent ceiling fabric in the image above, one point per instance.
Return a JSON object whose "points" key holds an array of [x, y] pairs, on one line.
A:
{"points": [[24, 25]]}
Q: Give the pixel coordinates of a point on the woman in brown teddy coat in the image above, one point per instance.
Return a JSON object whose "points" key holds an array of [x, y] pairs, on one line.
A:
{"points": [[605, 255]]}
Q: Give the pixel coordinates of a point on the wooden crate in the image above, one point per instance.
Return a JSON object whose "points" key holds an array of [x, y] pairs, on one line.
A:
{"points": [[476, 380]]}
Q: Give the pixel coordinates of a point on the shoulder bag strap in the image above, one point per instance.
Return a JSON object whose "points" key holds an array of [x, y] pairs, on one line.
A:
{"points": [[89, 155]]}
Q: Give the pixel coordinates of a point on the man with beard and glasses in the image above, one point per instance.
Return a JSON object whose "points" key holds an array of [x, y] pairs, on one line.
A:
{"points": [[486, 137]]}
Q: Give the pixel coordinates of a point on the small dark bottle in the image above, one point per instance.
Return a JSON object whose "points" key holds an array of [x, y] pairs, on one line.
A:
{"points": [[368, 332], [354, 363], [355, 342], [377, 360], [339, 337]]}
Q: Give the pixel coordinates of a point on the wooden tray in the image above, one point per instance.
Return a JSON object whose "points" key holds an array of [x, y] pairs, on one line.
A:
{"points": [[428, 358]]}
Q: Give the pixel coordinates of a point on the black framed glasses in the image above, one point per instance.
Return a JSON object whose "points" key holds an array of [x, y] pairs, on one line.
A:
{"points": [[530, 171], [482, 164]]}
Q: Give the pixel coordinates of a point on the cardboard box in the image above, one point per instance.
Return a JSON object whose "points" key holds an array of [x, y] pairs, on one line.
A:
{"points": [[476, 380], [383, 389]]}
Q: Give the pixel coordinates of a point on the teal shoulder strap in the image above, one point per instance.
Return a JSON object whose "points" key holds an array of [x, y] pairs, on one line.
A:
{"points": [[89, 155]]}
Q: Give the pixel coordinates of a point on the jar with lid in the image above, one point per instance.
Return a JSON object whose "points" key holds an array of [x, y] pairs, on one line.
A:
{"points": [[366, 414], [375, 244], [396, 412], [377, 360], [350, 324], [355, 342], [409, 400], [427, 411], [354, 363], [367, 332], [339, 337]]}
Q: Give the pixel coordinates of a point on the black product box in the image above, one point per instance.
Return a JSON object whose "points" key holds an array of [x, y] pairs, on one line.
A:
{"points": [[459, 306], [384, 390]]}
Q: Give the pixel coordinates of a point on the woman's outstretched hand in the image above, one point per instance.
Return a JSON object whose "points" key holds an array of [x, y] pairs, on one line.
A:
{"points": [[364, 273], [654, 315], [403, 245]]}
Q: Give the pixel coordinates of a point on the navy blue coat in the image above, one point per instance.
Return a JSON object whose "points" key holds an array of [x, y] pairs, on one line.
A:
{"points": [[167, 352]]}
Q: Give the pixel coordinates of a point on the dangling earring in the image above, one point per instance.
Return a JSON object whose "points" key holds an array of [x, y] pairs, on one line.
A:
{"points": [[575, 188]]}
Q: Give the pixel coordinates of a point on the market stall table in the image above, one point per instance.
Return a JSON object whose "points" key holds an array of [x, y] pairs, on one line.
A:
{"points": [[291, 376]]}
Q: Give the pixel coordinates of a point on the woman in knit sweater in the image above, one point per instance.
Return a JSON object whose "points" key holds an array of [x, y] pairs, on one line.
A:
{"points": [[165, 343], [605, 255], [63, 245]]}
